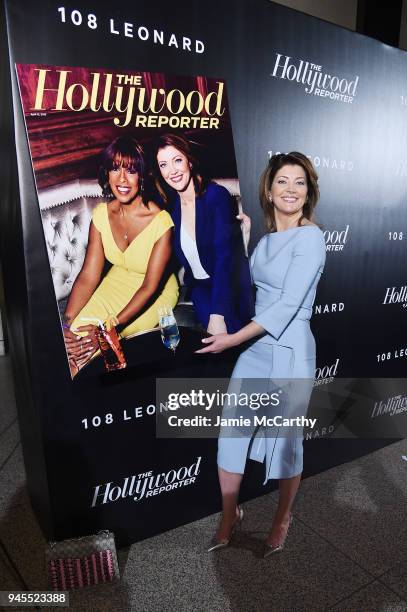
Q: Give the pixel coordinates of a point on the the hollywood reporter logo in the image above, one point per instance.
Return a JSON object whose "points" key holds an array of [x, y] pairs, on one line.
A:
{"points": [[146, 484], [392, 406], [335, 240], [314, 79], [326, 374], [396, 295]]}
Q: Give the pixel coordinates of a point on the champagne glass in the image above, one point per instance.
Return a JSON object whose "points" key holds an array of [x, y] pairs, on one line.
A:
{"points": [[169, 328]]}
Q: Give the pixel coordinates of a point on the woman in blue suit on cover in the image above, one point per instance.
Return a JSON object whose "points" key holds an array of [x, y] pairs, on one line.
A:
{"points": [[205, 239], [286, 267]]}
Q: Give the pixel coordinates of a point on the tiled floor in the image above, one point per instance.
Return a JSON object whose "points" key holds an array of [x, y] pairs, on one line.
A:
{"points": [[346, 551]]}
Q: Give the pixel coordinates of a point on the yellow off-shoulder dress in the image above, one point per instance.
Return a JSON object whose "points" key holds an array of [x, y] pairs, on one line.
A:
{"points": [[126, 275]]}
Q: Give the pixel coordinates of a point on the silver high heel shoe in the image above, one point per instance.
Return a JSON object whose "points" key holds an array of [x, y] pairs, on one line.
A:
{"points": [[269, 549], [216, 545]]}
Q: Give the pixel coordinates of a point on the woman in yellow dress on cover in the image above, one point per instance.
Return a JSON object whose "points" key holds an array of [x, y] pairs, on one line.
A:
{"points": [[135, 236]]}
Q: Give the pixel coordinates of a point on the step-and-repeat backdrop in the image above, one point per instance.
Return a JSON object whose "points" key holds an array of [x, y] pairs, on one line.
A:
{"points": [[237, 84]]}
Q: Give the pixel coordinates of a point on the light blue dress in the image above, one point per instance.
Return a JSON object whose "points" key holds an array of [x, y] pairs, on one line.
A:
{"points": [[286, 267]]}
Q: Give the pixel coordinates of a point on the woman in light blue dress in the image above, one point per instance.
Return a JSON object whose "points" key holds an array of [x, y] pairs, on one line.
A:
{"points": [[286, 267]]}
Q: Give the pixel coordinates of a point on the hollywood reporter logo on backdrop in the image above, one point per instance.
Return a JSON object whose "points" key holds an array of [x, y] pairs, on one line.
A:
{"points": [[335, 240], [326, 374], [396, 295], [146, 484], [390, 406], [315, 80]]}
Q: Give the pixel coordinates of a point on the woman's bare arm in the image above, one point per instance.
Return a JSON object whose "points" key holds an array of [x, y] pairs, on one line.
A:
{"points": [[89, 276]]}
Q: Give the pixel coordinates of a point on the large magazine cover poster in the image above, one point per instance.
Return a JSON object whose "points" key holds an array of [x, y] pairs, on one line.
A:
{"points": [[139, 196]]}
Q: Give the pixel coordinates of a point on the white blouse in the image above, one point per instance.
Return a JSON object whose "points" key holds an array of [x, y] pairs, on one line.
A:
{"points": [[188, 245]]}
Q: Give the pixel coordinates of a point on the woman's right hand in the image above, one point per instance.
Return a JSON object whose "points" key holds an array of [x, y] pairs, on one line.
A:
{"points": [[218, 343]]}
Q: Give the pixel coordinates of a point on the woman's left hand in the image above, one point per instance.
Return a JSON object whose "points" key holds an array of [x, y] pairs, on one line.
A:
{"points": [[91, 336], [218, 343]]}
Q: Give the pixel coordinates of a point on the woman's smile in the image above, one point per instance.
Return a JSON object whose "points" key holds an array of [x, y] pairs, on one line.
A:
{"points": [[124, 190], [177, 178]]}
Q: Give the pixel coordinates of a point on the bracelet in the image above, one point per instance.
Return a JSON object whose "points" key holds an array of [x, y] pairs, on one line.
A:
{"points": [[65, 325], [111, 321]]}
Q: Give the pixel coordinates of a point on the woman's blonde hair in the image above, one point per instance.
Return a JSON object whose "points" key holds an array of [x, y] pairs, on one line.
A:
{"points": [[276, 162]]}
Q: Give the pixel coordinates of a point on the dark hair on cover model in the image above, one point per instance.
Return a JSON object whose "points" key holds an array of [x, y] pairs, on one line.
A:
{"points": [[128, 153]]}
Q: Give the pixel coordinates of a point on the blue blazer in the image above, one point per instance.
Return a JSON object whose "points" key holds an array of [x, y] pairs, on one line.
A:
{"points": [[220, 247]]}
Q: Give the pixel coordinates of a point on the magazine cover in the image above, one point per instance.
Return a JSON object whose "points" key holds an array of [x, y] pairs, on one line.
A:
{"points": [[139, 197]]}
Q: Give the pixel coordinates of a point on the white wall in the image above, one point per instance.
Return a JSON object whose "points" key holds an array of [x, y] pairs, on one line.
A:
{"points": [[340, 12]]}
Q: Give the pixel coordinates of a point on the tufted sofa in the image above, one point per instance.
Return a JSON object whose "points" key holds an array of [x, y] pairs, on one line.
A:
{"points": [[66, 212]]}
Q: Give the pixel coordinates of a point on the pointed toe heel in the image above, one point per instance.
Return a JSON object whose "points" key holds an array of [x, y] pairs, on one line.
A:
{"points": [[216, 544], [270, 549]]}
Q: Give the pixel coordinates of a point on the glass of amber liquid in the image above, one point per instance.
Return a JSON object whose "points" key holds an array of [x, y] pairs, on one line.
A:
{"points": [[111, 349]]}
